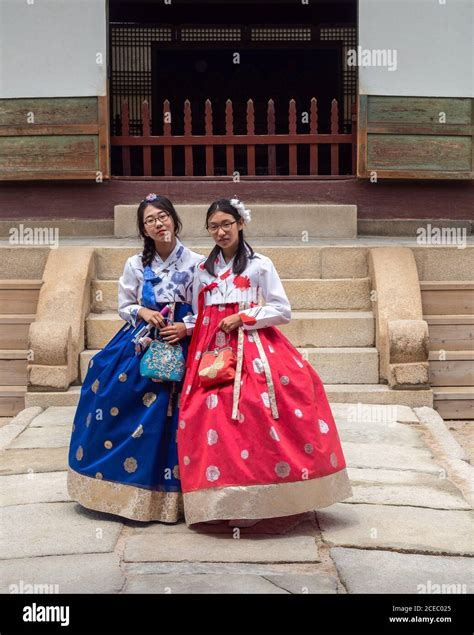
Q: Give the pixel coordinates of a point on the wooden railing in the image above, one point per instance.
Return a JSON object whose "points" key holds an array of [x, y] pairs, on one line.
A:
{"points": [[292, 139]]}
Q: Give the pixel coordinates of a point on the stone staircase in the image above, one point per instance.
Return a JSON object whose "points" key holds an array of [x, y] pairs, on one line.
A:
{"points": [[332, 323], [324, 267], [18, 301], [448, 308]]}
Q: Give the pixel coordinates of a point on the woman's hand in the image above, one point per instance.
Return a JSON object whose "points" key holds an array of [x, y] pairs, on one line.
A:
{"points": [[230, 323], [152, 317], [173, 332]]}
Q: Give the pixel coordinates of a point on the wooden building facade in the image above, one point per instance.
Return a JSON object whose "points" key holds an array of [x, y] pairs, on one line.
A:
{"points": [[189, 93]]}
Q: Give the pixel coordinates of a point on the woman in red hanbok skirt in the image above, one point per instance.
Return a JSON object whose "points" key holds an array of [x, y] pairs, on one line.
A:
{"points": [[264, 444]]}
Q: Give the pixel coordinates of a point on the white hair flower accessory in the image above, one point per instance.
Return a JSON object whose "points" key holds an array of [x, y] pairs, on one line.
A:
{"points": [[240, 207]]}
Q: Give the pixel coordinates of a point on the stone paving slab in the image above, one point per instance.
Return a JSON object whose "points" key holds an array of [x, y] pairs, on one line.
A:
{"points": [[16, 425], [55, 416], [402, 502], [401, 487], [405, 414], [360, 569], [49, 529], [416, 496], [380, 455], [21, 461], [439, 432], [374, 413], [408, 529], [408, 477], [204, 583], [231, 582], [392, 433], [49, 437], [9, 433], [301, 584], [85, 573], [228, 568], [35, 487], [182, 547]]}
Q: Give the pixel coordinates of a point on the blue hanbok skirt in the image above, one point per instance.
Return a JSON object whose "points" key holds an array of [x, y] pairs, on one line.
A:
{"points": [[123, 453]]}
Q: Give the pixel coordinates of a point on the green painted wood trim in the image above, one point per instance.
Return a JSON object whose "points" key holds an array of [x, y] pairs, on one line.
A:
{"points": [[60, 153], [418, 152], [54, 138], [419, 110], [48, 111], [405, 137]]}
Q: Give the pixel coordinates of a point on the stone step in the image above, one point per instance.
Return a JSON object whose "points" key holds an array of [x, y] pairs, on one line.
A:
{"points": [[454, 402], [314, 258], [12, 400], [333, 365], [330, 328], [450, 332], [328, 294], [378, 394], [19, 296], [292, 259], [306, 329], [14, 330], [69, 397], [447, 297], [351, 365], [13, 367], [302, 219], [337, 393]]}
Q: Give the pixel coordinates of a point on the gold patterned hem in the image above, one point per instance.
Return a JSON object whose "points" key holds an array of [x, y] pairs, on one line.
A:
{"points": [[135, 503], [266, 501]]}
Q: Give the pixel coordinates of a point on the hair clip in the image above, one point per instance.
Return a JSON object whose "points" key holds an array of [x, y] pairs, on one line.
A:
{"points": [[150, 197]]}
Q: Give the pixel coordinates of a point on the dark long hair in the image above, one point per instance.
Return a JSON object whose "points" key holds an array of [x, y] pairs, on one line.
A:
{"points": [[244, 250], [161, 203]]}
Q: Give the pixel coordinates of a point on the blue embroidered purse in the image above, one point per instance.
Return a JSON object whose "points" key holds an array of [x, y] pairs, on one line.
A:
{"points": [[163, 361]]}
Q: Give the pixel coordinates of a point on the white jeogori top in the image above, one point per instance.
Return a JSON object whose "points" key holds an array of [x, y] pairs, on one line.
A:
{"points": [[177, 274], [260, 280]]}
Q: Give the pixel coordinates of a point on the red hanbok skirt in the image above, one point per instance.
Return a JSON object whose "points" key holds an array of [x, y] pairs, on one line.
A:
{"points": [[257, 466]]}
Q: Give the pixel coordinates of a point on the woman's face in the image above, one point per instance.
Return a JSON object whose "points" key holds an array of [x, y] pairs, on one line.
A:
{"points": [[224, 229], [158, 224]]}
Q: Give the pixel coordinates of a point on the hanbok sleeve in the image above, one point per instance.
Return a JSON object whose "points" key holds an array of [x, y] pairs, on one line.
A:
{"points": [[129, 286], [277, 309], [190, 320]]}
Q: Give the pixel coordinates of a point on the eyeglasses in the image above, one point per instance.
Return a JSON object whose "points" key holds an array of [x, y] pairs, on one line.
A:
{"points": [[226, 225], [162, 217]]}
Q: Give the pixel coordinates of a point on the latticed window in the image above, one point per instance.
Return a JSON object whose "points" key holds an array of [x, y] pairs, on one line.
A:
{"points": [[347, 35], [130, 54], [210, 34], [131, 58], [281, 34]]}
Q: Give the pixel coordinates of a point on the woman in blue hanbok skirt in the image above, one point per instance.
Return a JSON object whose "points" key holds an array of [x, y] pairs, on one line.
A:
{"points": [[123, 452]]}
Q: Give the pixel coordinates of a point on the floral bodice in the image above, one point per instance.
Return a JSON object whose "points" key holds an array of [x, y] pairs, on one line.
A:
{"points": [[172, 281], [259, 282]]}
